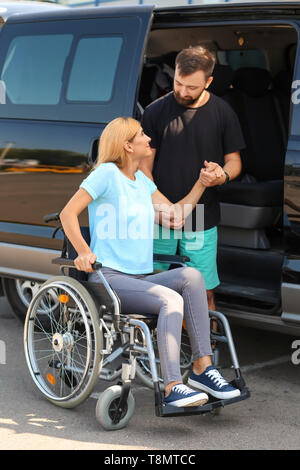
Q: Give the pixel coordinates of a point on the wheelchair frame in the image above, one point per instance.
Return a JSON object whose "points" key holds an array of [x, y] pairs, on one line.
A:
{"points": [[114, 324]]}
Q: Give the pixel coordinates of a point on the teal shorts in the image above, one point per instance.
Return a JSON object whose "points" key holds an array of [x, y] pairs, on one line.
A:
{"points": [[200, 247]]}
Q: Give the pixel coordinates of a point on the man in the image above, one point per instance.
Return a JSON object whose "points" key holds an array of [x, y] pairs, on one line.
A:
{"points": [[190, 127]]}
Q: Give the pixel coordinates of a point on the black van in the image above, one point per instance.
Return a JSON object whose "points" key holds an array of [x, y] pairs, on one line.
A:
{"points": [[66, 73]]}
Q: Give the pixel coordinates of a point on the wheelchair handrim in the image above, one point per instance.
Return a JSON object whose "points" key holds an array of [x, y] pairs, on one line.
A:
{"points": [[29, 349]]}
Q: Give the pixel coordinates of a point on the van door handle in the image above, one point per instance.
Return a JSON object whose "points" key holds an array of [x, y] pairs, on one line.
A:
{"points": [[93, 152]]}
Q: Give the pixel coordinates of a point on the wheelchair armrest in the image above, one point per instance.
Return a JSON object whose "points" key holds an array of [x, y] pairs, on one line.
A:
{"points": [[173, 259], [70, 263]]}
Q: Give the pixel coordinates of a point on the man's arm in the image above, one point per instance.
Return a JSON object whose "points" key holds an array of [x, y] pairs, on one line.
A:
{"points": [[146, 165], [232, 166]]}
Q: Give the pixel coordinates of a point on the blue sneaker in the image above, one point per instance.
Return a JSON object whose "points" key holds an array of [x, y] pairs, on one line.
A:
{"points": [[181, 395], [212, 382]]}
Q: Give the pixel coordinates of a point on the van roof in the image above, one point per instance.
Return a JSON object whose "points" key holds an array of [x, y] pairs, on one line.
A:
{"points": [[8, 9], [44, 11]]}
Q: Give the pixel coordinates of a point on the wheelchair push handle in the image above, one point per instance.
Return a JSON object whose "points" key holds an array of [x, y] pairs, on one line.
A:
{"points": [[52, 217]]}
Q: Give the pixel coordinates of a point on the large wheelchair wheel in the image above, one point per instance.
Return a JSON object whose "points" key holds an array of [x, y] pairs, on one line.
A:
{"points": [[143, 370], [63, 341]]}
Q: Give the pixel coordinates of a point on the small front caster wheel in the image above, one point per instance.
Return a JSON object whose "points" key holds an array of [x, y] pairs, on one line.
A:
{"points": [[107, 405]]}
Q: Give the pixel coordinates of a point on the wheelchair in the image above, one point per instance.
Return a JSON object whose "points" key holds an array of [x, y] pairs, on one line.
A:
{"points": [[75, 334]]}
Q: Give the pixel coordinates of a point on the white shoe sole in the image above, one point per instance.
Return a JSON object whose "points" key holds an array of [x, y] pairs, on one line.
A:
{"points": [[222, 395], [198, 400]]}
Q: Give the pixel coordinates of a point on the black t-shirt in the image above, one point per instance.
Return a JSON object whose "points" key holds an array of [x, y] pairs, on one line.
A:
{"points": [[184, 138]]}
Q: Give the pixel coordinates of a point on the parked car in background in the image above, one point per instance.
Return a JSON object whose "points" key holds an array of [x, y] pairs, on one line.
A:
{"points": [[67, 72]]}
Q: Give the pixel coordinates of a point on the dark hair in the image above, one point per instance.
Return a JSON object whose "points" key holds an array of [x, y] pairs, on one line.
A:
{"points": [[195, 58]]}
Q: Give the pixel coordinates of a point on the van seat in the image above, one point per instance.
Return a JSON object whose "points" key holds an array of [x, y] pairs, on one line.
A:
{"points": [[260, 185], [258, 193], [223, 77], [256, 107]]}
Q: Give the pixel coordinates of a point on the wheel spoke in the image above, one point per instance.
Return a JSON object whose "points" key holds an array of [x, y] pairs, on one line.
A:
{"points": [[63, 340]]}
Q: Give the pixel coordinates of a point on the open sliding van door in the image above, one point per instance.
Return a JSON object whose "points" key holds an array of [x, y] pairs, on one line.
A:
{"points": [[291, 268]]}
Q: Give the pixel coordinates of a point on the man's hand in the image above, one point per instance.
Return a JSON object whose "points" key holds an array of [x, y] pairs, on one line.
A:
{"points": [[212, 175]]}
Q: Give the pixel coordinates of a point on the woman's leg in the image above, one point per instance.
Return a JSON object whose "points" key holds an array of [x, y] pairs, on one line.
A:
{"points": [[189, 283], [139, 296]]}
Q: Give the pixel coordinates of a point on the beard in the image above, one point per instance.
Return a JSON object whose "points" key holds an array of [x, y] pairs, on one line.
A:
{"points": [[188, 101]]}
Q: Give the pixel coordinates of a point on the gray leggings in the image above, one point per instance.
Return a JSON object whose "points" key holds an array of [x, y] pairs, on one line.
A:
{"points": [[171, 295]]}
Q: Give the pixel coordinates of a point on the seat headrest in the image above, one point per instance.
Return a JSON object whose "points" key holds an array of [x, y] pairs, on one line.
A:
{"points": [[253, 81], [223, 75]]}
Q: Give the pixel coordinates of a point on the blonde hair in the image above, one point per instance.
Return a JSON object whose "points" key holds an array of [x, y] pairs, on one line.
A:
{"points": [[113, 138]]}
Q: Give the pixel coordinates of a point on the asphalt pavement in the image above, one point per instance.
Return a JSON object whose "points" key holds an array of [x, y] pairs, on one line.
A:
{"points": [[270, 419]]}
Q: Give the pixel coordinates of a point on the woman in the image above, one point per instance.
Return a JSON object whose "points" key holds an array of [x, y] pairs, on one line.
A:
{"points": [[121, 202]]}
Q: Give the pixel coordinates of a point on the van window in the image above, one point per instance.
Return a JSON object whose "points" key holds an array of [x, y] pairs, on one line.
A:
{"points": [[33, 70], [79, 70], [245, 58], [95, 64]]}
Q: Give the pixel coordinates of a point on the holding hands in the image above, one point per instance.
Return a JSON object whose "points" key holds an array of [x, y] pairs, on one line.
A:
{"points": [[212, 175], [173, 216]]}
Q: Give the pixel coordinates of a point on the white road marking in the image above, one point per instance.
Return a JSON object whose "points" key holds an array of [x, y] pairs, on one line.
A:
{"points": [[261, 365]]}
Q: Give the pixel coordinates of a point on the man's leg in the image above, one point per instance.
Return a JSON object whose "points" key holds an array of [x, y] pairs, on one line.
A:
{"points": [[211, 300], [165, 243]]}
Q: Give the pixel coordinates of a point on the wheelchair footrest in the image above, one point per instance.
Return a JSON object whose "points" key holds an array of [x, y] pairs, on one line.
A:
{"points": [[169, 410]]}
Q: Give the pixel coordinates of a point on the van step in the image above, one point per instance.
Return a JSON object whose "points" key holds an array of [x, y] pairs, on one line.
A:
{"points": [[252, 293]]}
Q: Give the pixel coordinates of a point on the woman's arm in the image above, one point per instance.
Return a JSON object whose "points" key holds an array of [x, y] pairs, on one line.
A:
{"points": [[174, 215], [69, 219], [166, 213]]}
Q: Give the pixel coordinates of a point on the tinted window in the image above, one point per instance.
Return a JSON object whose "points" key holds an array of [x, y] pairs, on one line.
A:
{"points": [[94, 68], [83, 69], [247, 58], [33, 68]]}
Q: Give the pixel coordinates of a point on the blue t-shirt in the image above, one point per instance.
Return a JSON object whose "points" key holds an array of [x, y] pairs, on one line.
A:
{"points": [[121, 219]]}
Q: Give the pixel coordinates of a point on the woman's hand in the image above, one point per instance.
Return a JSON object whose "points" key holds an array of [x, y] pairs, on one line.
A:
{"points": [[169, 216], [173, 215], [84, 262], [177, 217]]}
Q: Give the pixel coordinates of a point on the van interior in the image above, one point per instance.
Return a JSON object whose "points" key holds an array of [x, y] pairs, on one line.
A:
{"points": [[253, 73]]}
